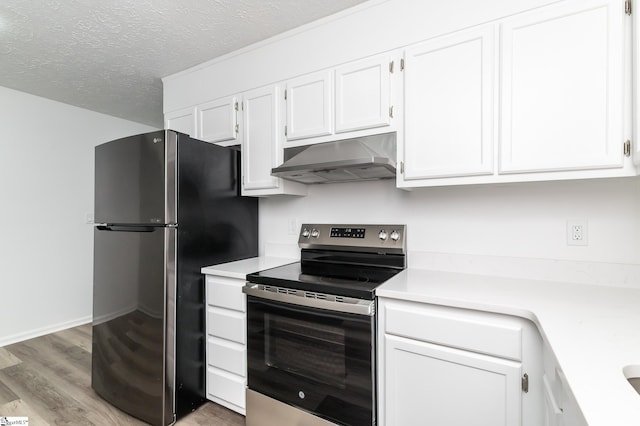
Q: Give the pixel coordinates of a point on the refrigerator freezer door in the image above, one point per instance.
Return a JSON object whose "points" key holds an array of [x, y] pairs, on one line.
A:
{"points": [[132, 367], [135, 180]]}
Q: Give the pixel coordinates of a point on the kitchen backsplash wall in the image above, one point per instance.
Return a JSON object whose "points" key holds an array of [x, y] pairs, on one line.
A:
{"points": [[523, 221]]}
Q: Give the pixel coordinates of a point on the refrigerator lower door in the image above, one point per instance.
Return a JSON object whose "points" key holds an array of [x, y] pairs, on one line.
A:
{"points": [[133, 320]]}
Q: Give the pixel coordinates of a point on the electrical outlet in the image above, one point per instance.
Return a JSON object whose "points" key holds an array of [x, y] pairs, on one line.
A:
{"points": [[292, 227], [577, 232]]}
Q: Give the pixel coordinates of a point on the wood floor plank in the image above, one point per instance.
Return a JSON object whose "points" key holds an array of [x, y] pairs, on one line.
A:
{"points": [[19, 408], [50, 402], [50, 356], [79, 336], [6, 395], [51, 384], [7, 359], [212, 414], [65, 366]]}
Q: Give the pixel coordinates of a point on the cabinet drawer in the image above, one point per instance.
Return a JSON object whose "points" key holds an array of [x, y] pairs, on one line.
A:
{"points": [[226, 355], [226, 293], [226, 386], [476, 331], [229, 325]]}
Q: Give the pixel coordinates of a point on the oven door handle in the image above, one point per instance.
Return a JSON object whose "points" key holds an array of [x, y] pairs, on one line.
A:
{"points": [[309, 299]]}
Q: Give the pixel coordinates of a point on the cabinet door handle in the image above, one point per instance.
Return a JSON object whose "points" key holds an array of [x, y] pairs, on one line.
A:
{"points": [[550, 397]]}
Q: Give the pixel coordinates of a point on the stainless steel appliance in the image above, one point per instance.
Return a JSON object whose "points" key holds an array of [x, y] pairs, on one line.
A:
{"points": [[311, 329], [166, 205], [358, 159]]}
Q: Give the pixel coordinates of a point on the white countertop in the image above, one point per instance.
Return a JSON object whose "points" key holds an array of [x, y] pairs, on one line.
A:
{"points": [[241, 268], [594, 331]]}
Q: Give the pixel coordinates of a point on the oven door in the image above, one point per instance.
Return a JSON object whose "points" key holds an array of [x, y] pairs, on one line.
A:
{"points": [[319, 360]]}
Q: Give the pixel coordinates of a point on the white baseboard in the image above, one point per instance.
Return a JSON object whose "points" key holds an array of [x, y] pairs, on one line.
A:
{"points": [[19, 337]]}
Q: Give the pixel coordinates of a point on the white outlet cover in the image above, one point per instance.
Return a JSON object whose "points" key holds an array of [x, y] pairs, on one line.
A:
{"points": [[292, 226], [582, 236]]}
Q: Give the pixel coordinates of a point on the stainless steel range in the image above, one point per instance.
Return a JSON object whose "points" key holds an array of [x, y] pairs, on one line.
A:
{"points": [[311, 329]]}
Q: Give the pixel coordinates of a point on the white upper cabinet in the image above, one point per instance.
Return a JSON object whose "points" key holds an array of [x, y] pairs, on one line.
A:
{"points": [[309, 106], [542, 97], [537, 90], [218, 121], [363, 94], [448, 105], [635, 66], [352, 100], [562, 88], [183, 121], [262, 144]]}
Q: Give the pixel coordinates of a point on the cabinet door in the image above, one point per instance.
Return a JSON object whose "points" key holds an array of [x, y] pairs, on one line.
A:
{"points": [[562, 88], [427, 384], [218, 120], [261, 148], [363, 94], [635, 67], [448, 92], [183, 121], [309, 106]]}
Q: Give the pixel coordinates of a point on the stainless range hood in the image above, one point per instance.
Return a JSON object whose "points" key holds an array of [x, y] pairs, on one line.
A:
{"points": [[358, 159]]}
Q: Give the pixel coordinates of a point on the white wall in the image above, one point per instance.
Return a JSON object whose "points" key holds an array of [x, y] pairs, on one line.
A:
{"points": [[46, 192], [519, 220]]}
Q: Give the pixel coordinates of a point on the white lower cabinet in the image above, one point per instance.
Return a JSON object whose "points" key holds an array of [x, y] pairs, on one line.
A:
{"points": [[226, 389], [457, 367], [226, 375], [434, 384], [560, 406]]}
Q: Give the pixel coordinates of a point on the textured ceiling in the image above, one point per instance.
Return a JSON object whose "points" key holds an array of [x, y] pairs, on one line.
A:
{"points": [[109, 55]]}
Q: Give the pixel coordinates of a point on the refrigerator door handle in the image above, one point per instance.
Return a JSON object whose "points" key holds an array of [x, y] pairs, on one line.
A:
{"points": [[170, 300], [117, 228]]}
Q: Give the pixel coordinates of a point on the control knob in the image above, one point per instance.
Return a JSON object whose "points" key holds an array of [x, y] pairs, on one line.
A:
{"points": [[305, 233], [315, 233], [382, 235], [394, 235]]}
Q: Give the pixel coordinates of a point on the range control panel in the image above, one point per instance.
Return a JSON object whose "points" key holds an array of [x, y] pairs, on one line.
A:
{"points": [[347, 232], [382, 238]]}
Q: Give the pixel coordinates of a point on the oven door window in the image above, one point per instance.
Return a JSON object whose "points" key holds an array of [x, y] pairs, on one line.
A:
{"points": [[318, 360], [322, 344]]}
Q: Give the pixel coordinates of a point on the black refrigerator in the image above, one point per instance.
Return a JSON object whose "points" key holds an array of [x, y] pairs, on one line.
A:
{"points": [[165, 206]]}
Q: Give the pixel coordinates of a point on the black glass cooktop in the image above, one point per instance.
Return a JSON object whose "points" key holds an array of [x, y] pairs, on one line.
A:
{"points": [[341, 280]]}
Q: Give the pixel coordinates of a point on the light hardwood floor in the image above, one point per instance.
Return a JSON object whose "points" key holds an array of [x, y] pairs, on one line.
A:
{"points": [[48, 379]]}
